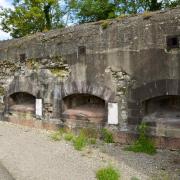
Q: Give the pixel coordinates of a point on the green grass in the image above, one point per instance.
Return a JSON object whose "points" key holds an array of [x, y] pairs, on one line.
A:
{"points": [[108, 173], [56, 136], [80, 142], [69, 136], [89, 133], [107, 136], [134, 178], [143, 144]]}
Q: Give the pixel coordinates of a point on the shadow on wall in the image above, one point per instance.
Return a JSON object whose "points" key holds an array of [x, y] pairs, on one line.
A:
{"points": [[85, 107], [21, 102]]}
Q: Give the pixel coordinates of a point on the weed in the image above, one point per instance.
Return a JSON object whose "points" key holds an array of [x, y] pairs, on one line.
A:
{"points": [[68, 136], [104, 24], [107, 136], [147, 15], [89, 133], [134, 178], [56, 136], [108, 173], [144, 143], [80, 142]]}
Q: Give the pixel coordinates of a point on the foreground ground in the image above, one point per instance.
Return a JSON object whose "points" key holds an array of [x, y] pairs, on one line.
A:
{"points": [[30, 154]]}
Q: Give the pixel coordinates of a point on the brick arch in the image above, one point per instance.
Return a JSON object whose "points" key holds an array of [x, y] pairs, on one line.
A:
{"points": [[80, 87], [22, 84], [156, 88]]}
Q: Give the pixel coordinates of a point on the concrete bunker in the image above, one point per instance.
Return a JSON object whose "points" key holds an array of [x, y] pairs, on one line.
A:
{"points": [[84, 107]]}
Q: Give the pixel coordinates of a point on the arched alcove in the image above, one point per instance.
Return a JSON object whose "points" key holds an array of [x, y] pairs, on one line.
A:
{"points": [[162, 114], [84, 107], [21, 102]]}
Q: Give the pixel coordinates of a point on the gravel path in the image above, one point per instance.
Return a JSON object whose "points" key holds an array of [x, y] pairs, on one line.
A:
{"points": [[30, 154], [4, 174]]}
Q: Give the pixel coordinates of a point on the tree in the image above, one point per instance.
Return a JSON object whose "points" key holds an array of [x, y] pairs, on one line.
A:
{"points": [[92, 10], [31, 16]]}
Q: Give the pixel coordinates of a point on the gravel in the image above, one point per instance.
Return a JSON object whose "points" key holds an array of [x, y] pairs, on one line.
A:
{"points": [[4, 174], [30, 154]]}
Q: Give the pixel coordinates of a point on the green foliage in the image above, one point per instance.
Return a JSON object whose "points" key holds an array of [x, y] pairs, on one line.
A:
{"points": [[144, 143], [107, 136], [56, 136], [89, 133], [134, 178], [28, 17], [108, 173], [80, 142], [104, 24], [69, 136], [95, 10], [89, 11]]}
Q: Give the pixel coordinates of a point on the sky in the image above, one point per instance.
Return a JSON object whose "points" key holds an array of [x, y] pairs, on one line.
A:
{"points": [[5, 4]]}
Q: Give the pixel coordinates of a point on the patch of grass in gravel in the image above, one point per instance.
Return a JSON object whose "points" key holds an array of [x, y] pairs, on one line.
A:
{"points": [[80, 142], [108, 173], [56, 136], [144, 143], [107, 136], [69, 136]]}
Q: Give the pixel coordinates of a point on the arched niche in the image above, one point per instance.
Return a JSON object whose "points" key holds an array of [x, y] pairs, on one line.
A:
{"points": [[21, 102], [84, 107]]}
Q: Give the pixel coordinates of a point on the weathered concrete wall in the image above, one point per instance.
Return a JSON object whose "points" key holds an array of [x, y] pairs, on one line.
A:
{"points": [[118, 60]]}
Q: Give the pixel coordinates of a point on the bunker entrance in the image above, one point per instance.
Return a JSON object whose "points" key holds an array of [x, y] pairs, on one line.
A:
{"points": [[164, 114], [22, 102], [84, 107]]}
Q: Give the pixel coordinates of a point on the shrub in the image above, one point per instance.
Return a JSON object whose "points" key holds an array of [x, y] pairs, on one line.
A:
{"points": [[107, 136], [80, 142], [144, 143], [56, 136], [68, 136], [108, 173], [89, 133], [104, 24]]}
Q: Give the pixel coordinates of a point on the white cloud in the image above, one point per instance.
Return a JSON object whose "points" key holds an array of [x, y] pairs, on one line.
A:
{"points": [[5, 4]]}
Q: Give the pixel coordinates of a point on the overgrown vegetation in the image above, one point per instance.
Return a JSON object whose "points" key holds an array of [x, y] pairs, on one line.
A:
{"points": [[86, 136], [108, 173], [69, 136], [107, 136], [56, 136], [144, 143], [134, 178], [80, 142]]}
